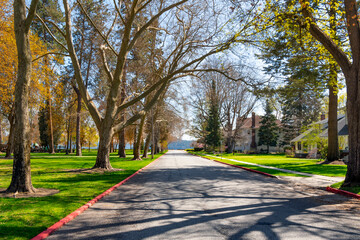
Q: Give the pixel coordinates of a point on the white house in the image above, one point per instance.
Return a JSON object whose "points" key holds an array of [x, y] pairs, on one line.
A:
{"points": [[248, 140], [304, 143]]}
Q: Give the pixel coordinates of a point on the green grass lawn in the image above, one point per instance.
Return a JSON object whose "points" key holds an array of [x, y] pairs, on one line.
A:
{"points": [[349, 189], [281, 161], [25, 218]]}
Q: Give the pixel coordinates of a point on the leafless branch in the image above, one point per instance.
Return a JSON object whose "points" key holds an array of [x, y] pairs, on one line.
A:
{"points": [[96, 28], [56, 53]]}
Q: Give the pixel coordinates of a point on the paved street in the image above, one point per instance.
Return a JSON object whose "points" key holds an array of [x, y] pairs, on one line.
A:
{"points": [[185, 197]]}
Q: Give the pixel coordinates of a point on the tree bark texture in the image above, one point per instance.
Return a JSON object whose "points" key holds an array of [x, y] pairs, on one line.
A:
{"points": [[333, 143], [78, 122], [10, 143], [21, 175], [351, 70], [147, 145], [122, 143], [51, 147], [68, 136], [102, 158], [353, 114], [122, 153], [137, 146], [1, 137]]}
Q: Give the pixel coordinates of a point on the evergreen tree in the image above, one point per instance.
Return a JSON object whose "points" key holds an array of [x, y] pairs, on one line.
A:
{"points": [[268, 131], [300, 107], [213, 136]]}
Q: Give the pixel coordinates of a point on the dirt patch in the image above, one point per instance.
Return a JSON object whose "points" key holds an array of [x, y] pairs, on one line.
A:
{"points": [[40, 192], [332, 163], [93, 170]]}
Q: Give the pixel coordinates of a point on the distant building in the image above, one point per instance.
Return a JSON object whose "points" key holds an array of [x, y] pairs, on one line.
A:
{"points": [[248, 140], [303, 143]]}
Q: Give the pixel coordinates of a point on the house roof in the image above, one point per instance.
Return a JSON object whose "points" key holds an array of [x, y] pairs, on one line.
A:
{"points": [[248, 122], [303, 135], [341, 125], [342, 128]]}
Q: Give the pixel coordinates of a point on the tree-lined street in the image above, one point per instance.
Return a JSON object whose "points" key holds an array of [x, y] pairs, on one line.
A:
{"points": [[181, 196]]}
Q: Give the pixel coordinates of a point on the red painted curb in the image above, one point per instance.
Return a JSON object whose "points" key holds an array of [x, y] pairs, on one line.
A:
{"points": [[77, 212], [342, 192], [247, 169]]}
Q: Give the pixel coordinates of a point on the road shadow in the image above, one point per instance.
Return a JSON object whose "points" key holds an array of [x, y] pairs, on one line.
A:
{"points": [[253, 204]]}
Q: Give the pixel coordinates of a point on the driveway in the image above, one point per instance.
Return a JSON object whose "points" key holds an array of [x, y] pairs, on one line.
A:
{"points": [[181, 196]]}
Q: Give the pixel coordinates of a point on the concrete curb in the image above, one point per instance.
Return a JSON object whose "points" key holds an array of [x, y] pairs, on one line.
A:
{"points": [[77, 212], [244, 168], [342, 192]]}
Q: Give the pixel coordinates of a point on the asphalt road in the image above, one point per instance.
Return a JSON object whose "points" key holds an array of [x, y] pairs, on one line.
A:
{"points": [[185, 197]]}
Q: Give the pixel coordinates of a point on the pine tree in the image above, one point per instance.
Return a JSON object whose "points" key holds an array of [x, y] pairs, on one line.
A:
{"points": [[268, 131], [213, 136]]}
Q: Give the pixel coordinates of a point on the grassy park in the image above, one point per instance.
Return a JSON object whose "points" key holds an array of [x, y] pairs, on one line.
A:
{"points": [[311, 166], [280, 161], [26, 217]]}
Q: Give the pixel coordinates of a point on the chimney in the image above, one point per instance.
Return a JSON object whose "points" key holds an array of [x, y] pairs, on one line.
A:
{"points": [[253, 120], [322, 116]]}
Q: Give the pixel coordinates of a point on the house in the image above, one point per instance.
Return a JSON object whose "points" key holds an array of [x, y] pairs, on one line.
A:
{"points": [[308, 140], [248, 140]]}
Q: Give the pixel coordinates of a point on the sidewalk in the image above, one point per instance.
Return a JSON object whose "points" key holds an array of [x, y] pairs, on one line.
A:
{"points": [[308, 179]]}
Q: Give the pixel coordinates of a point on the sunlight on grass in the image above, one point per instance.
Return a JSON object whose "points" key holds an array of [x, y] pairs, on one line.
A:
{"points": [[349, 189], [281, 161]]}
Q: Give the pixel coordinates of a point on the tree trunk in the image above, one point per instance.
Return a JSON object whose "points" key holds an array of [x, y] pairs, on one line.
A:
{"points": [[122, 143], [112, 145], [137, 146], [51, 147], [21, 175], [231, 146], [333, 145], [147, 145], [70, 142], [1, 131], [78, 118], [10, 143], [102, 159], [353, 110], [68, 137], [122, 153]]}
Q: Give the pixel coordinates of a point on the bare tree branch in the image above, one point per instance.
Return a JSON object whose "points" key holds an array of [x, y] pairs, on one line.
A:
{"points": [[48, 53], [96, 28], [31, 14]]}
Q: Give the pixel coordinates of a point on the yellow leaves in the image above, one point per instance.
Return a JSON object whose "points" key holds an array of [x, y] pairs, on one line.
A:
{"points": [[8, 62]]}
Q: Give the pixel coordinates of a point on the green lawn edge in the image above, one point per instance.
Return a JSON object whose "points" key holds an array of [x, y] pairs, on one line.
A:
{"points": [[349, 189], [25, 218], [261, 169], [279, 161]]}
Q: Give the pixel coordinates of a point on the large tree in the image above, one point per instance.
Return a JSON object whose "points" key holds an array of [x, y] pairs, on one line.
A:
{"points": [[346, 56], [183, 52], [21, 176]]}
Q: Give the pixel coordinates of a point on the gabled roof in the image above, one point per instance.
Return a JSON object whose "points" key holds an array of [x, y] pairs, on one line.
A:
{"points": [[303, 135], [248, 122], [342, 128]]}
